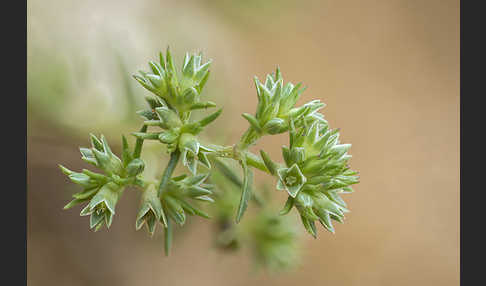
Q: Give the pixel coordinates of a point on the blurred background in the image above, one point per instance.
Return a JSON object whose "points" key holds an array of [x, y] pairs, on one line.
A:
{"points": [[387, 70]]}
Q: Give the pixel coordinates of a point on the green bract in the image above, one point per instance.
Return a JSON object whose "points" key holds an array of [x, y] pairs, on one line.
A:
{"points": [[314, 172], [102, 206], [150, 211]]}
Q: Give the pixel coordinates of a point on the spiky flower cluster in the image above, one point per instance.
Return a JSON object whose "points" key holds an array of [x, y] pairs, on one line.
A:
{"points": [[276, 107], [171, 107], [173, 201], [103, 190], [178, 94], [316, 170], [314, 173]]}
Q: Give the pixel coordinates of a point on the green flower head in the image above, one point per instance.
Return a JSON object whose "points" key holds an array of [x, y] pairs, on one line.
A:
{"points": [[319, 158], [178, 89]]}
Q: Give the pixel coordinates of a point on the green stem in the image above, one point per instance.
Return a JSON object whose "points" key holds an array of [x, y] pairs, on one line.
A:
{"points": [[235, 179], [230, 152], [138, 145], [168, 237], [174, 158]]}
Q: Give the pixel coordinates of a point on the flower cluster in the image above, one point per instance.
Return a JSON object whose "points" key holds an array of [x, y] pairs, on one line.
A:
{"points": [[103, 190], [275, 109], [314, 174], [180, 91], [171, 107], [173, 201]]}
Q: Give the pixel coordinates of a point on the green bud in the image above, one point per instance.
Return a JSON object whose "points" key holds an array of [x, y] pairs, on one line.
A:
{"points": [[168, 118], [169, 136], [190, 96], [135, 167], [275, 126], [189, 142], [108, 162]]}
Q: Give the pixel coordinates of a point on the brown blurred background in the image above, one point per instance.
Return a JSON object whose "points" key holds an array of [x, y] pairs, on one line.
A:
{"points": [[387, 70]]}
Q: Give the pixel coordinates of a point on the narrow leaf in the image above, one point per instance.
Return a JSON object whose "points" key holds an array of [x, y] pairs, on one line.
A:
{"points": [[246, 191], [253, 121], [210, 118], [271, 166], [288, 206]]}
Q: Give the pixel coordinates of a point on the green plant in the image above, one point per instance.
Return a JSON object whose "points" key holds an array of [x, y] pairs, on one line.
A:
{"points": [[314, 173]]}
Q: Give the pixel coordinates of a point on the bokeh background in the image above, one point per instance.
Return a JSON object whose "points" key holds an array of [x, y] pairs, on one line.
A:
{"points": [[387, 70]]}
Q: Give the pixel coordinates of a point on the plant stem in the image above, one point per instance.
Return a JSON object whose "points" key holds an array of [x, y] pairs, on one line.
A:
{"points": [[174, 158], [230, 153], [168, 237], [138, 145], [233, 177]]}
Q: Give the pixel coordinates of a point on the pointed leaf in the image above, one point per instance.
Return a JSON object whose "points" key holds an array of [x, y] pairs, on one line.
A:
{"points": [[246, 191]]}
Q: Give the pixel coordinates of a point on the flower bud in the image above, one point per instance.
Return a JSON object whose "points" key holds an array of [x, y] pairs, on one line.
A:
{"points": [[275, 126], [169, 119], [190, 96], [135, 167], [108, 162], [169, 136], [189, 142]]}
